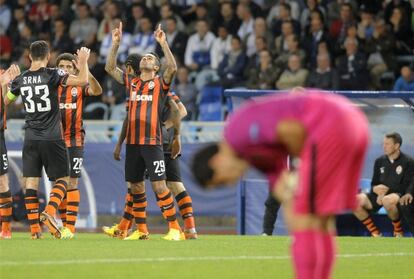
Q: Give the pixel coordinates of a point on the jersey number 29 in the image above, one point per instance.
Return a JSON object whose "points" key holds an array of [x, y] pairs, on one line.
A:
{"points": [[39, 90]]}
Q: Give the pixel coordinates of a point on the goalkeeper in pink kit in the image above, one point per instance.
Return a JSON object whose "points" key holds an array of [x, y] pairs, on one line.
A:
{"points": [[327, 138]]}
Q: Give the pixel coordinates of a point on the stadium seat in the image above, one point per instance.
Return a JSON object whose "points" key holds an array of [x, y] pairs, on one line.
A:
{"points": [[210, 104]]}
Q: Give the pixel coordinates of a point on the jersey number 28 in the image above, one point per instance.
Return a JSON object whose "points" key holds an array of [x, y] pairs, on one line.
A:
{"points": [[39, 90]]}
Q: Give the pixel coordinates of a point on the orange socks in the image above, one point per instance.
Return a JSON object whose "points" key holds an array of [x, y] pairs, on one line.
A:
{"points": [[139, 210], [32, 208], [56, 196], [185, 205], [166, 203], [369, 224], [126, 220], [6, 202], [72, 208]]}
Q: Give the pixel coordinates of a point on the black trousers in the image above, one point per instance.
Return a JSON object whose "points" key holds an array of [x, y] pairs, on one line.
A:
{"points": [[407, 212], [270, 215]]}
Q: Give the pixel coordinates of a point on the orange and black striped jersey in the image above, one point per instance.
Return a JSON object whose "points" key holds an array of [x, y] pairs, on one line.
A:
{"points": [[146, 101], [71, 101], [2, 112]]}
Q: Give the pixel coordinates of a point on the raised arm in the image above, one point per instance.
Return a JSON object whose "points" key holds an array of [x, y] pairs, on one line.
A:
{"points": [[110, 66], [176, 121], [170, 65], [82, 78], [95, 88], [11, 73]]}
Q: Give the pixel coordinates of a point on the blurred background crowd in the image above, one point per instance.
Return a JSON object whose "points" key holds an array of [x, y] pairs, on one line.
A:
{"points": [[255, 44]]}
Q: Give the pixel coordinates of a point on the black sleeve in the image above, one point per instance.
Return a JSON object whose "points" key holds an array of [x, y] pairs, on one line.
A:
{"points": [[57, 77], [375, 176], [15, 87], [407, 181]]}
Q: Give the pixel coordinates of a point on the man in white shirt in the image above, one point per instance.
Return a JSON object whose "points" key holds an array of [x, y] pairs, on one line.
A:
{"points": [[144, 41], [221, 46], [247, 26]]}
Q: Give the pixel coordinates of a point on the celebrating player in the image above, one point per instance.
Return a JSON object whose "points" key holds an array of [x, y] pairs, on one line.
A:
{"points": [[5, 194], [173, 174], [43, 143], [326, 136], [147, 97], [71, 107]]}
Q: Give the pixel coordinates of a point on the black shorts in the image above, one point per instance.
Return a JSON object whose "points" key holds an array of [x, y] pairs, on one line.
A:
{"points": [[173, 168], [373, 199], [138, 158], [4, 163], [76, 161], [52, 155]]}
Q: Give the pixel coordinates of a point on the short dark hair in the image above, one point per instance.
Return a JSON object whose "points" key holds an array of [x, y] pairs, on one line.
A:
{"points": [[172, 18], [65, 56], [157, 58], [201, 170], [133, 61], [396, 137], [39, 50]]}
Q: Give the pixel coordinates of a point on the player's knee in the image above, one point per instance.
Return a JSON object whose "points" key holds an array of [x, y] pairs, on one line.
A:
{"points": [[363, 202], [175, 187], [137, 187], [73, 184], [4, 183], [390, 201], [159, 187]]}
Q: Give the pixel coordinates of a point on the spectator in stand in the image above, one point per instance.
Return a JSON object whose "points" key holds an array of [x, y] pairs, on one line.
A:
{"points": [[143, 41], [197, 53], [334, 9], [380, 51], [280, 42], [323, 76], [228, 18], [26, 37], [201, 12], [366, 25], [18, 24], [231, 67], [176, 40], [275, 10], [316, 34], [284, 15], [254, 8], [293, 48], [138, 11], [167, 12], [260, 30], [253, 62], [405, 7], [83, 30], [305, 17], [352, 67], [221, 46], [401, 29], [294, 75], [55, 13], [339, 27], [246, 17], [406, 81], [125, 46], [265, 75], [107, 24], [5, 17], [60, 40], [187, 92], [39, 14]]}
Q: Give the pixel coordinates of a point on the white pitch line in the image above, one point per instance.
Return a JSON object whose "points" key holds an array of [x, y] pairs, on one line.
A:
{"points": [[178, 259]]}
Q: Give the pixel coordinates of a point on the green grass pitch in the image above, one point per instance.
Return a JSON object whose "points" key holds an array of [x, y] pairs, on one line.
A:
{"points": [[97, 256]]}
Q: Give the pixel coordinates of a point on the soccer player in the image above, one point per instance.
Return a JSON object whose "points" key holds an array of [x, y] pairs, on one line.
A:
{"points": [[6, 200], [43, 143], [174, 181], [392, 175], [327, 138], [147, 97], [71, 100]]}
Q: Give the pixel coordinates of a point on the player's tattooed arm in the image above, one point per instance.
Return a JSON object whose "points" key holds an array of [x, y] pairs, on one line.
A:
{"points": [[110, 66], [121, 138], [170, 65], [95, 88], [176, 120], [183, 113]]}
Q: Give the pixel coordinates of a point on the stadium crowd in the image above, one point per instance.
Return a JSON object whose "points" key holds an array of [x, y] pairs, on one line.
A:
{"points": [[259, 44]]}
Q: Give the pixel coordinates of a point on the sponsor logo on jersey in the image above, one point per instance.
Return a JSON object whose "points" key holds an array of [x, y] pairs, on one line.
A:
{"points": [[141, 98], [382, 169], [74, 91], [151, 85], [61, 72], [399, 170], [67, 106]]}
